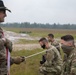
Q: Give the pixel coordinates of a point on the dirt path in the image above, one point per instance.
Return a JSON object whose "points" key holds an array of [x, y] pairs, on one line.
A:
{"points": [[14, 37], [25, 46]]}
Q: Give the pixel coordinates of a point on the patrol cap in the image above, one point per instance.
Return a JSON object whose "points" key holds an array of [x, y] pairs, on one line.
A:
{"points": [[2, 6]]}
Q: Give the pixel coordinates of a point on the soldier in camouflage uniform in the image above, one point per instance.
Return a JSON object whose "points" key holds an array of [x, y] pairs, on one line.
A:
{"points": [[52, 40], [56, 44], [68, 46], [5, 43], [53, 63]]}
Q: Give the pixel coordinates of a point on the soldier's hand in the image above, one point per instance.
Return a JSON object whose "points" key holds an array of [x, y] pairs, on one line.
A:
{"points": [[43, 59], [23, 58], [18, 60]]}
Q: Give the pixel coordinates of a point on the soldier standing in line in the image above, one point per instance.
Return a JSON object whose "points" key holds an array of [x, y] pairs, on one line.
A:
{"points": [[68, 46], [4, 44], [56, 44], [52, 40], [53, 63]]}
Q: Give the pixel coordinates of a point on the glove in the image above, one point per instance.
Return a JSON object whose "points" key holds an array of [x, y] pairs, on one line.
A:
{"points": [[43, 59], [23, 58], [18, 60]]}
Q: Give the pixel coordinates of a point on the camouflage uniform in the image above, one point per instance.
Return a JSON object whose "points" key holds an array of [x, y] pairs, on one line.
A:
{"points": [[3, 60], [53, 63], [3, 64], [69, 67], [55, 43], [3, 46]]}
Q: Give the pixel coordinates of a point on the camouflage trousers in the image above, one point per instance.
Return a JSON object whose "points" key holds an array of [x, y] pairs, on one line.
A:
{"points": [[3, 71], [48, 73], [3, 68], [43, 72]]}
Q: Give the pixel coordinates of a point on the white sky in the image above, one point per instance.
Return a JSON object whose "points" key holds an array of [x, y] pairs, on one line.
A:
{"points": [[41, 11]]}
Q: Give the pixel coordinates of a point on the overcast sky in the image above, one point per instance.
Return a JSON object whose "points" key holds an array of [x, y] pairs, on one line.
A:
{"points": [[41, 11]]}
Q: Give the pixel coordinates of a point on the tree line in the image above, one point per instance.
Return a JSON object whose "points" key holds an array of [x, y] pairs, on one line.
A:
{"points": [[39, 25]]}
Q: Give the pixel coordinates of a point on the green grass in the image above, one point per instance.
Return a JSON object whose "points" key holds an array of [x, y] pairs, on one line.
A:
{"points": [[43, 32], [31, 66]]}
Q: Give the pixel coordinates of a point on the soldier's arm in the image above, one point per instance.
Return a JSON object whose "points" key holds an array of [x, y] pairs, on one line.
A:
{"points": [[8, 44], [16, 60], [49, 58], [2, 50], [73, 66], [48, 63], [55, 43]]}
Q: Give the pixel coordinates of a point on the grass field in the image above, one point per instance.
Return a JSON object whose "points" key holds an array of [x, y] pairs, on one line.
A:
{"points": [[30, 67], [43, 32], [23, 41]]}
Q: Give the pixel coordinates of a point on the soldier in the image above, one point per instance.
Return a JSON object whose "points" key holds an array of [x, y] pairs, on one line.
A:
{"points": [[53, 63], [68, 46], [52, 40], [5, 44], [56, 44]]}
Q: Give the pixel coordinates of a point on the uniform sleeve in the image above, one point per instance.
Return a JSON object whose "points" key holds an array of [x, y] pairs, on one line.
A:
{"points": [[17, 60], [8, 44], [49, 58], [11, 60], [73, 66], [49, 55], [2, 51], [55, 43], [48, 63]]}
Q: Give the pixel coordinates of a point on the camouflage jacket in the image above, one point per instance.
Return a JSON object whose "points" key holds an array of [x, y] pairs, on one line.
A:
{"points": [[69, 67], [3, 46], [3, 61], [53, 63], [55, 43]]}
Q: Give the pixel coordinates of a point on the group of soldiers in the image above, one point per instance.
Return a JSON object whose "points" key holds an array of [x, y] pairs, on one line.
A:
{"points": [[59, 59]]}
